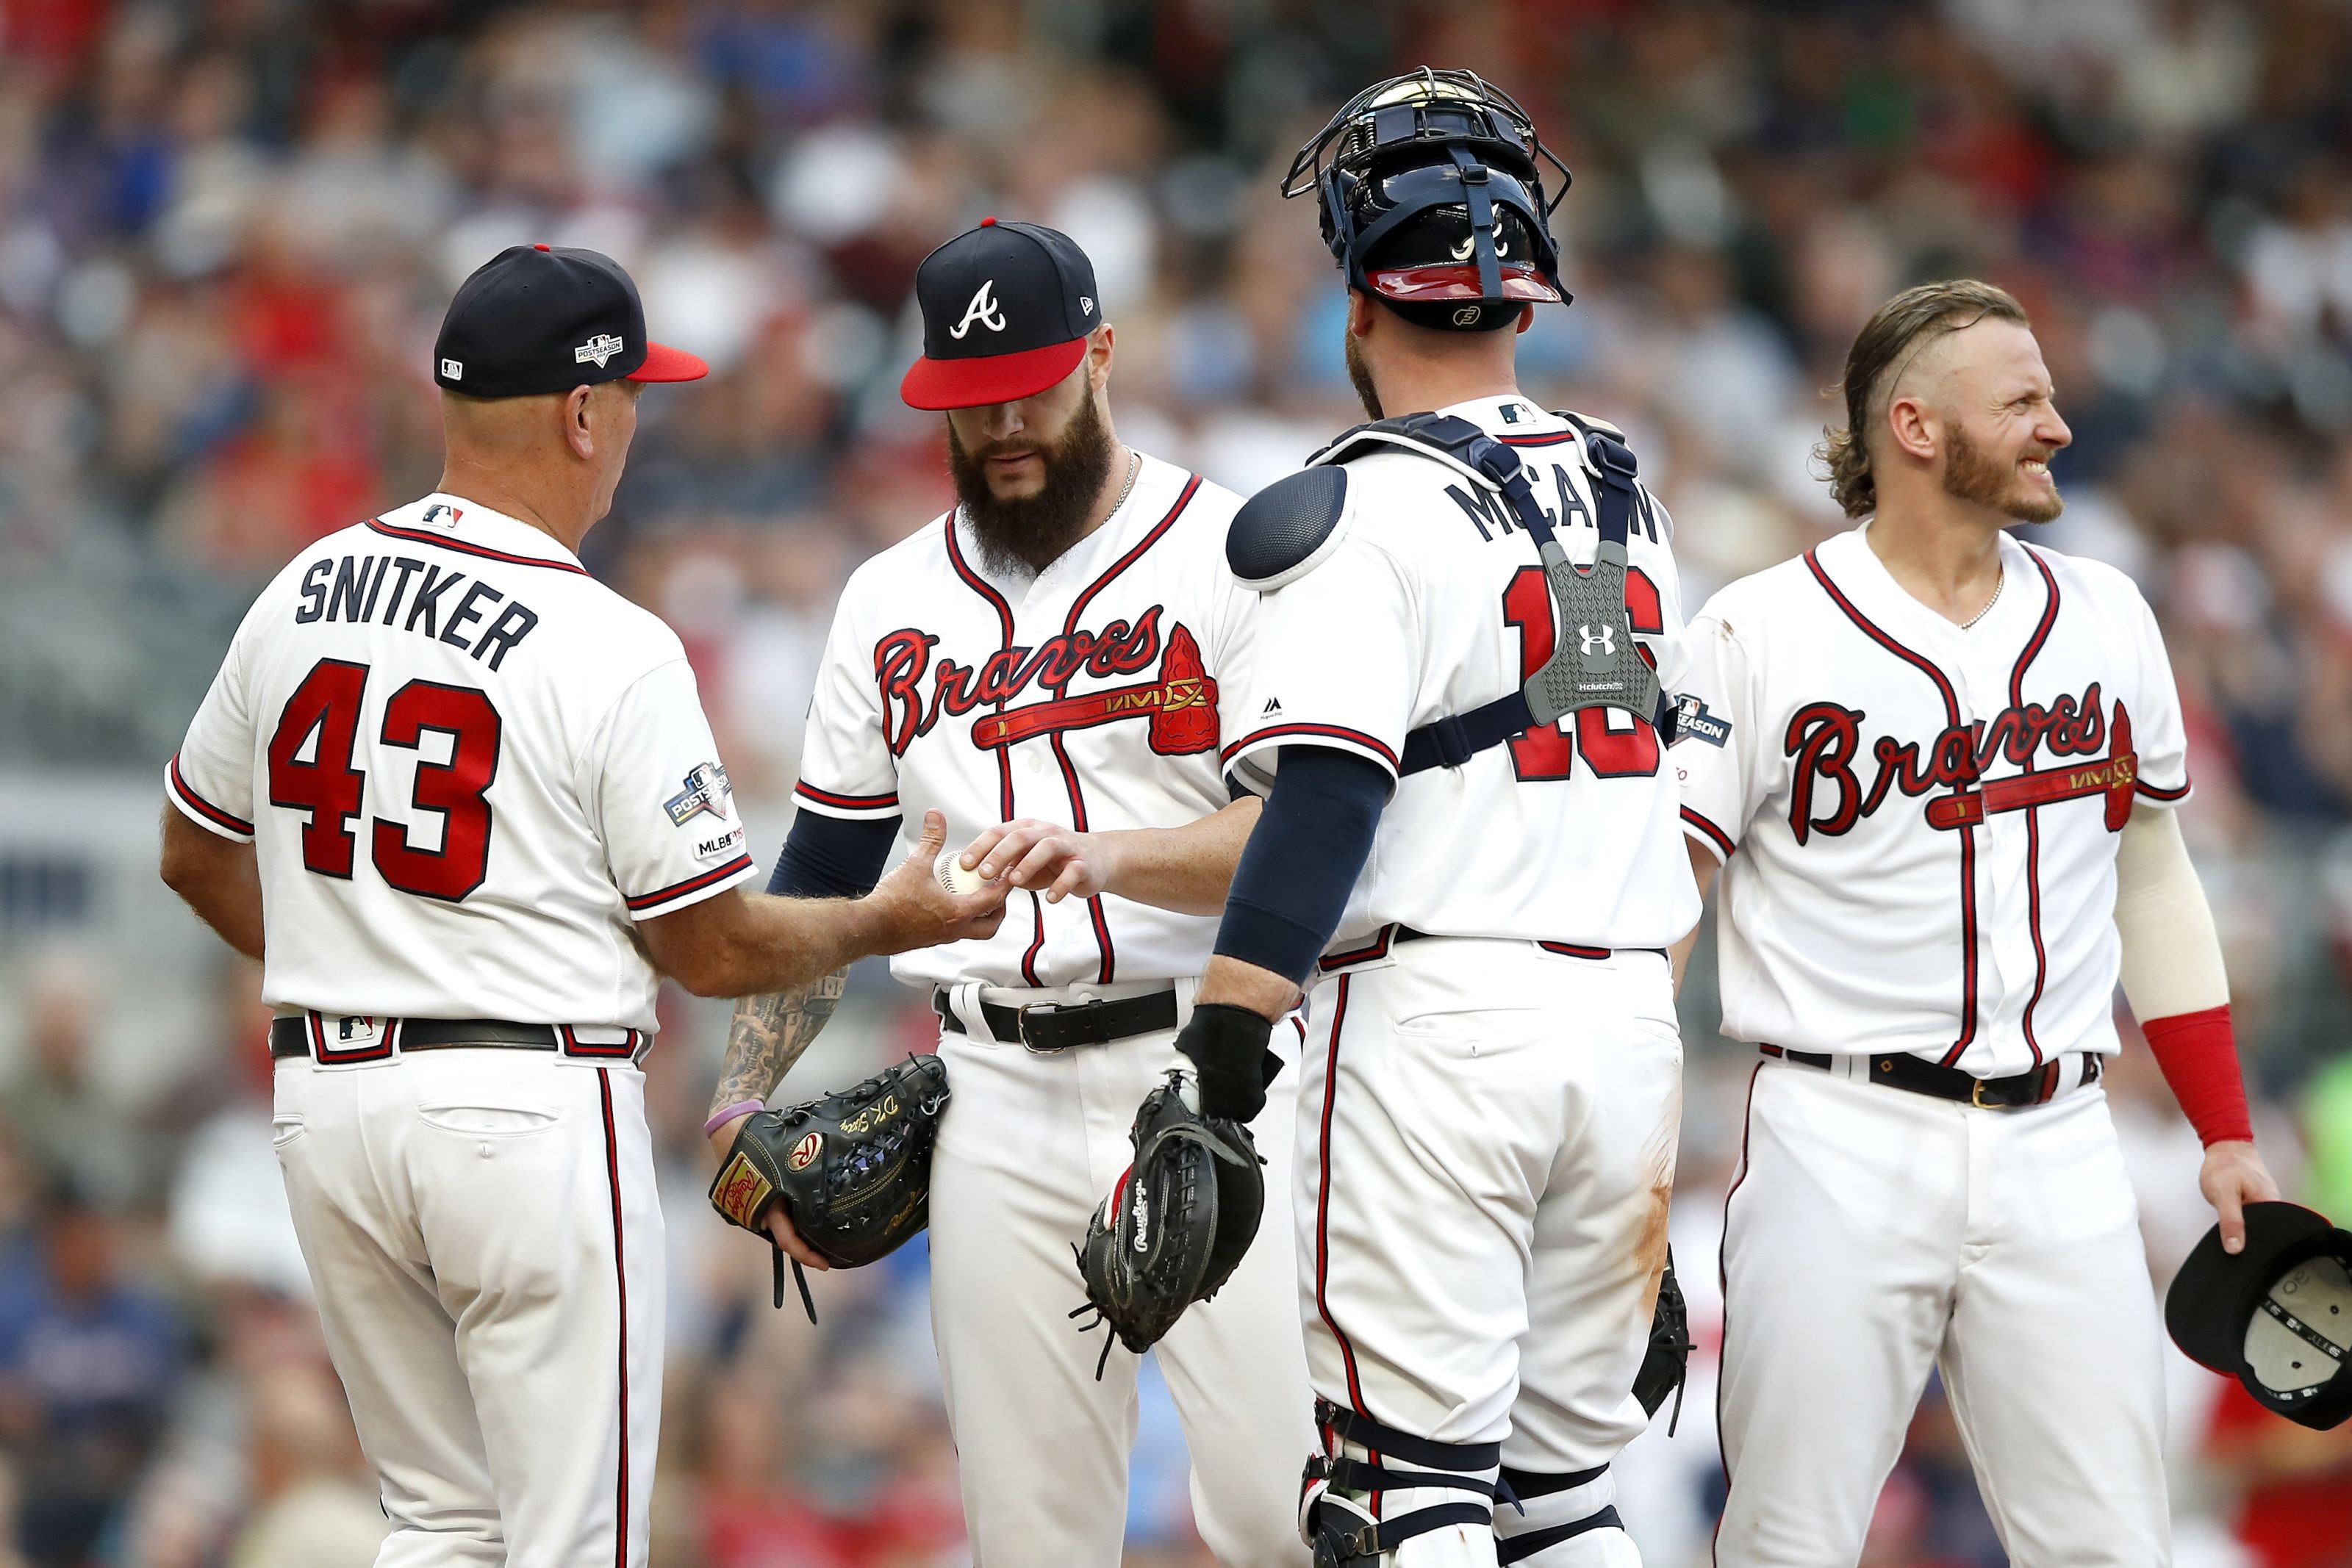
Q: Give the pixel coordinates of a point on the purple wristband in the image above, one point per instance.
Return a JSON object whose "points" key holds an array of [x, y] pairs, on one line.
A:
{"points": [[735, 1113]]}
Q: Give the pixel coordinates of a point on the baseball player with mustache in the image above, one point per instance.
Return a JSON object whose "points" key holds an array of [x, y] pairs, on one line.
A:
{"points": [[1052, 665], [1936, 766]]}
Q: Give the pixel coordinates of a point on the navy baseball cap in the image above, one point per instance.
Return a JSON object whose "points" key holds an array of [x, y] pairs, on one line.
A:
{"points": [[538, 319], [1007, 311], [2276, 1316]]}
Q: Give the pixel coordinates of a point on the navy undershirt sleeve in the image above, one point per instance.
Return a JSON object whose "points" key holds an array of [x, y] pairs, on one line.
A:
{"points": [[828, 857], [1303, 859]]}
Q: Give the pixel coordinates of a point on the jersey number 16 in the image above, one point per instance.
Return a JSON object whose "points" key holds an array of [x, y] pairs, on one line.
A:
{"points": [[1545, 751], [331, 787]]}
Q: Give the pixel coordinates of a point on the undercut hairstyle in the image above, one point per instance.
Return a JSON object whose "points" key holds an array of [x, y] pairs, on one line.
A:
{"points": [[1902, 329]]}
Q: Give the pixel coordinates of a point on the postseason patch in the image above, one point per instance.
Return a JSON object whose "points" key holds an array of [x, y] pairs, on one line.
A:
{"points": [[1693, 722], [706, 790]]}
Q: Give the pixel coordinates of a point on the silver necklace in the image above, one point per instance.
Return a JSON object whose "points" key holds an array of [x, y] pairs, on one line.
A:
{"points": [[1134, 463], [2001, 582]]}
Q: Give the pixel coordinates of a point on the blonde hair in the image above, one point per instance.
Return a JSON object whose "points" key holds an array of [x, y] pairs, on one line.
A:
{"points": [[1890, 340]]}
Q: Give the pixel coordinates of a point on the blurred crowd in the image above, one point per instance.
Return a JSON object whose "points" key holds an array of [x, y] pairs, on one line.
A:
{"points": [[227, 230]]}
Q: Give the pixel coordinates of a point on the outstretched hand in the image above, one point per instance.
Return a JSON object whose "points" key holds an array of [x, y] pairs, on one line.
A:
{"points": [[2233, 1176], [914, 911], [1061, 862]]}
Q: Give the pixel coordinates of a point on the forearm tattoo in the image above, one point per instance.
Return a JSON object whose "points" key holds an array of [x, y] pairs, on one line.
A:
{"points": [[768, 1033]]}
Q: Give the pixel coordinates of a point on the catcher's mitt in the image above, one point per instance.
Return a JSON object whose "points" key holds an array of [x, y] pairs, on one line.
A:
{"points": [[1667, 1361], [1176, 1223], [853, 1169]]}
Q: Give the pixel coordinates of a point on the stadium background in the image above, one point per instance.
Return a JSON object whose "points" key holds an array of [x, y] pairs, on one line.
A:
{"points": [[229, 228]]}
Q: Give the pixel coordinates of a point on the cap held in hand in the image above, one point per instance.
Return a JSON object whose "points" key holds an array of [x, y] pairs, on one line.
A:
{"points": [[2277, 1316], [538, 319]]}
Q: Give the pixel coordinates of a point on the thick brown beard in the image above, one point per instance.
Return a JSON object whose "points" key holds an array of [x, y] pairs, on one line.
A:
{"points": [[1971, 476], [1359, 376], [1034, 531]]}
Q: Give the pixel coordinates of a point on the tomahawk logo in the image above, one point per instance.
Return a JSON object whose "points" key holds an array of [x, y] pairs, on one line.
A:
{"points": [[600, 348], [982, 309], [1601, 644]]}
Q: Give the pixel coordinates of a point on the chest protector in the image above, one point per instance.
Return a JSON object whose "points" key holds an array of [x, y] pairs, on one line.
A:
{"points": [[1594, 661]]}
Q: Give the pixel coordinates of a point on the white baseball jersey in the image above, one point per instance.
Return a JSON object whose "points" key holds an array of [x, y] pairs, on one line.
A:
{"points": [[468, 768], [1093, 693], [1924, 817], [1433, 603]]}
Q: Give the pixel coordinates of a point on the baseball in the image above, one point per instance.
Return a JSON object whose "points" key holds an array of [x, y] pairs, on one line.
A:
{"points": [[952, 875]]}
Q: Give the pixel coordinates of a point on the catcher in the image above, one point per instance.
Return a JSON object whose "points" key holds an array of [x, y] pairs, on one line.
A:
{"points": [[1054, 657]]}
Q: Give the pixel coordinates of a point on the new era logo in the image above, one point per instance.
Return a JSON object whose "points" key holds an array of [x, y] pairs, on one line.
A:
{"points": [[599, 348]]}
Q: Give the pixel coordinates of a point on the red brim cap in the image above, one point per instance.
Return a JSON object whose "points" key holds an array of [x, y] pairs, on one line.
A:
{"points": [[991, 378], [664, 363], [1408, 284]]}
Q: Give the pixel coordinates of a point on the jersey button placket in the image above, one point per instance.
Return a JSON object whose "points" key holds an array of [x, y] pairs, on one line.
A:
{"points": [[2006, 978]]}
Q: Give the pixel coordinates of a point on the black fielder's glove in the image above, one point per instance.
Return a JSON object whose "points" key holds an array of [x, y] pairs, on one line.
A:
{"points": [[1667, 1362], [1176, 1224], [853, 1169]]}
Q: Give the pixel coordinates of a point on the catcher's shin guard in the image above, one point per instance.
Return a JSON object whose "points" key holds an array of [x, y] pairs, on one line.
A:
{"points": [[1374, 1488], [1562, 1520]]}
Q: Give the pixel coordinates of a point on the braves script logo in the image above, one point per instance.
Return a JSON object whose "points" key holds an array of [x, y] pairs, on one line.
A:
{"points": [[1181, 704], [982, 309], [1826, 794]]}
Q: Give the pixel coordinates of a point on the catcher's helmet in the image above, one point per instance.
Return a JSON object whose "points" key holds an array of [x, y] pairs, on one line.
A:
{"points": [[1433, 200]]}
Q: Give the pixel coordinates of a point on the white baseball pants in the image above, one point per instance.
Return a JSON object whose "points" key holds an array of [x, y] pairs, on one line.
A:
{"points": [[1874, 1233], [483, 1232], [1029, 1145], [1486, 1153]]}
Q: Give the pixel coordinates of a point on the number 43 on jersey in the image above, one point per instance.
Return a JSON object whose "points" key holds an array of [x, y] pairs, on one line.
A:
{"points": [[313, 767]]}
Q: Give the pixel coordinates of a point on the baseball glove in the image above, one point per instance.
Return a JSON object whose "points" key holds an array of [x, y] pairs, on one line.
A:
{"points": [[853, 1169], [1667, 1362], [1176, 1224]]}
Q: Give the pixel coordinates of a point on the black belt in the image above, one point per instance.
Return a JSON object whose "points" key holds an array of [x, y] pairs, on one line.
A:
{"points": [[292, 1037], [1921, 1076], [1388, 936], [1042, 1027]]}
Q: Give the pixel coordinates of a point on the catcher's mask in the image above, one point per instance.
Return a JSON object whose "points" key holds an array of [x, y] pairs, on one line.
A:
{"points": [[1432, 198]]}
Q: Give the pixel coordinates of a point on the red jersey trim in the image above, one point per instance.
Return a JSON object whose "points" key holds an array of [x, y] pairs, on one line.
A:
{"points": [[201, 806], [645, 901], [416, 537]]}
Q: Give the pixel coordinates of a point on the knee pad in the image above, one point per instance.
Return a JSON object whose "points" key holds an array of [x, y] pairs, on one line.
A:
{"points": [[1373, 1488], [1561, 1520]]}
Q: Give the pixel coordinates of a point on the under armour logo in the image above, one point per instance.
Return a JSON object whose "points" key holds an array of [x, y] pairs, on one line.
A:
{"points": [[982, 309], [1599, 644]]}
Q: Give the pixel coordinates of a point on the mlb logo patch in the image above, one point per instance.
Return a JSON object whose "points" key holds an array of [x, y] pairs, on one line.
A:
{"points": [[452, 369]]}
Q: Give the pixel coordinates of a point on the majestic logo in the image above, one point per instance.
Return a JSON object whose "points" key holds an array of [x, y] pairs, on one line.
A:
{"points": [[804, 1153], [1599, 644], [1181, 704], [1827, 796], [600, 348], [706, 790], [982, 309]]}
